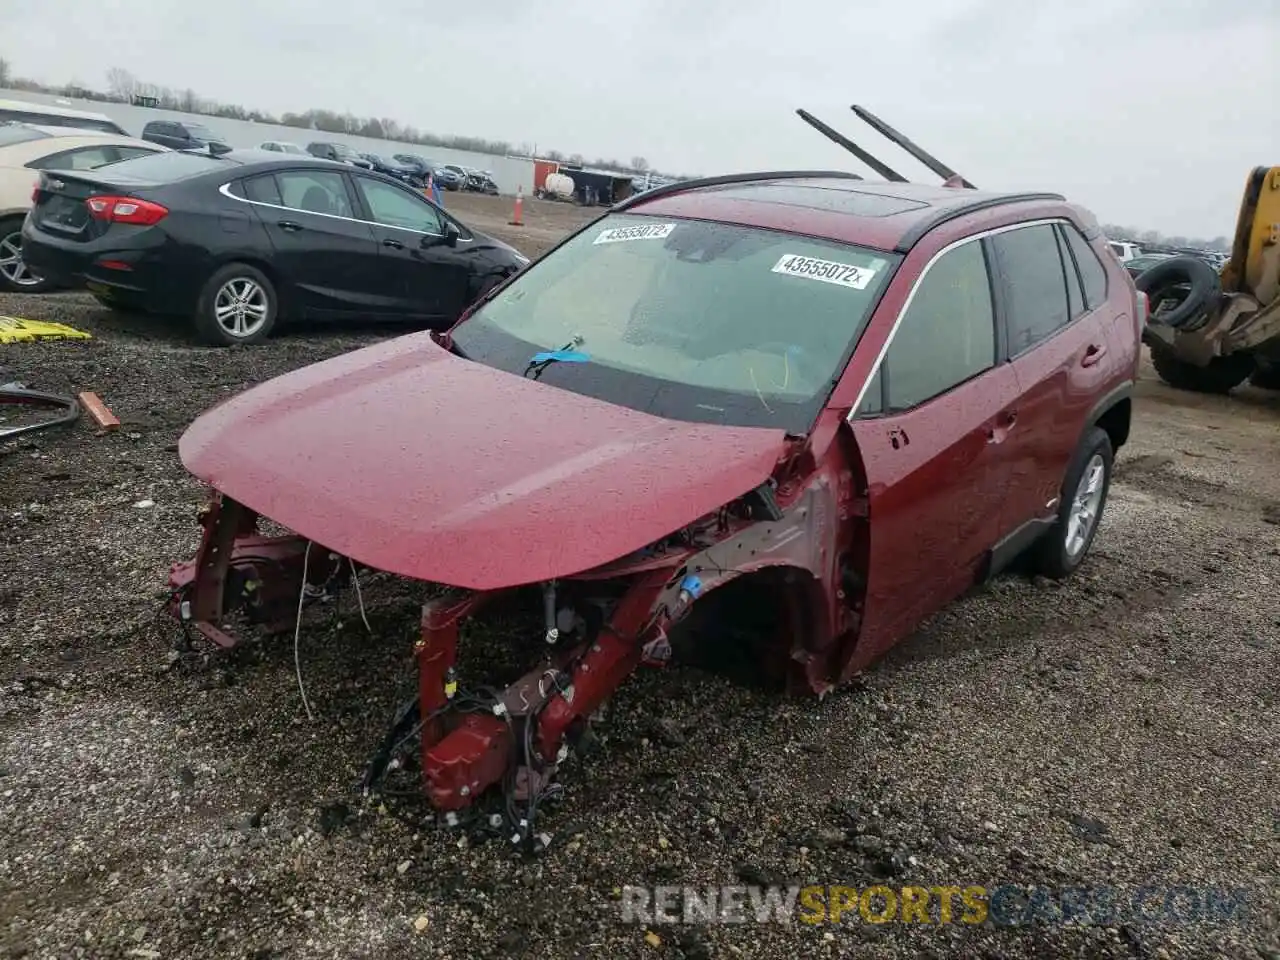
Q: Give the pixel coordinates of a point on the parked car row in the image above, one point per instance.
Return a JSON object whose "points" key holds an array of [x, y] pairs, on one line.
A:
{"points": [[238, 241]]}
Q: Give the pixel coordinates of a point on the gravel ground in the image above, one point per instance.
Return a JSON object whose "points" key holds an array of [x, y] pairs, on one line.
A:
{"points": [[1118, 729]]}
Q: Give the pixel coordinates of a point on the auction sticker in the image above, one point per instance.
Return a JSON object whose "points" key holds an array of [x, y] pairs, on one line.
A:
{"points": [[828, 271], [656, 231]]}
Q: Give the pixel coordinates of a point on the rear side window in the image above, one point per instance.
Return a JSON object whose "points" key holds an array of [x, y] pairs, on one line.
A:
{"points": [[130, 153], [59, 120], [1035, 289], [1075, 296], [315, 191], [168, 166], [948, 334], [1092, 274], [262, 189], [12, 132], [79, 158]]}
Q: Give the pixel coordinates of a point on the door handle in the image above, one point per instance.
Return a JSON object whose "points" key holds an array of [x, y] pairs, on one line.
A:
{"points": [[289, 226], [393, 244], [1092, 354]]}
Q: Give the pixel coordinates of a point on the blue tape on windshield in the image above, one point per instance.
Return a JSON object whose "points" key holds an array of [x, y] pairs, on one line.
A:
{"points": [[568, 356]]}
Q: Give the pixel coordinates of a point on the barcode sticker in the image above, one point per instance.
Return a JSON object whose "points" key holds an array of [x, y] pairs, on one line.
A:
{"points": [[657, 231], [828, 271]]}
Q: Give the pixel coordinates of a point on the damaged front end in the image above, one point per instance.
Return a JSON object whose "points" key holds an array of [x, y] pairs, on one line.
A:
{"points": [[593, 629]]}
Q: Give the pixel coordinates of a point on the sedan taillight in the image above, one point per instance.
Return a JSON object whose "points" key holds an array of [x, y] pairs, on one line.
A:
{"points": [[141, 213]]}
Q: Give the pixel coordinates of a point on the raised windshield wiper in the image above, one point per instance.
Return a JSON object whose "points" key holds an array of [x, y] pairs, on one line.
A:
{"points": [[540, 361]]}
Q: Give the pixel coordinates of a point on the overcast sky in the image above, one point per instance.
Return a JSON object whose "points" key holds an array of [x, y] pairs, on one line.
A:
{"points": [[1150, 112]]}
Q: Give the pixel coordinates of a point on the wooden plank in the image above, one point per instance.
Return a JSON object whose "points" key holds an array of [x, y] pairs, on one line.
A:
{"points": [[98, 410]]}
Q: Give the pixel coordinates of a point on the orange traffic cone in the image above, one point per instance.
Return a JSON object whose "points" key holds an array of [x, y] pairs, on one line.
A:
{"points": [[517, 216]]}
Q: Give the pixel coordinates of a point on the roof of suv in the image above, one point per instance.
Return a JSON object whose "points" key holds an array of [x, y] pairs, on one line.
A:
{"points": [[834, 205]]}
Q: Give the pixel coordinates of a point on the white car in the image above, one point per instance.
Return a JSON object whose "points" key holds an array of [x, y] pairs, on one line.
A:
{"points": [[26, 149], [281, 146], [1125, 250], [44, 114]]}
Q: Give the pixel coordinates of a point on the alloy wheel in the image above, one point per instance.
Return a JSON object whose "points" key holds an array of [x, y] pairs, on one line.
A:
{"points": [[12, 265], [1085, 505], [240, 307]]}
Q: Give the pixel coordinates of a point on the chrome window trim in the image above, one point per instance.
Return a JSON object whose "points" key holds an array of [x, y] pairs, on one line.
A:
{"points": [[225, 190], [906, 304]]}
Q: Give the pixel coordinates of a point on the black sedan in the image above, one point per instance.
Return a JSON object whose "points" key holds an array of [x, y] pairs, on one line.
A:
{"points": [[239, 240], [393, 168], [1143, 262]]}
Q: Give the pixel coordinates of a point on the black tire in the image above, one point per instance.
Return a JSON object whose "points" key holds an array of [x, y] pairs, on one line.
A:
{"points": [[1220, 376], [216, 296], [11, 263], [1204, 283], [1052, 556]]}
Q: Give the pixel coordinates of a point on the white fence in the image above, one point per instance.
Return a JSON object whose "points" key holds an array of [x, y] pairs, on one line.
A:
{"points": [[508, 172]]}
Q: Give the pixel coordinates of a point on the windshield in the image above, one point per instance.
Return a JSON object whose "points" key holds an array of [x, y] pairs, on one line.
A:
{"points": [[200, 132], [706, 322]]}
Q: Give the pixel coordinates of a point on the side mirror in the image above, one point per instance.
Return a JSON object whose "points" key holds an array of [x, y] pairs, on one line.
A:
{"points": [[451, 235]]}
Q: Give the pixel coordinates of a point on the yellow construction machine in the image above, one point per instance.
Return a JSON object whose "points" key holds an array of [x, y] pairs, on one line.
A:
{"points": [[1209, 331]]}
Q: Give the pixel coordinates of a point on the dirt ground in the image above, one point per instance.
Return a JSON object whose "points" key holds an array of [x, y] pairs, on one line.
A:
{"points": [[1118, 729]]}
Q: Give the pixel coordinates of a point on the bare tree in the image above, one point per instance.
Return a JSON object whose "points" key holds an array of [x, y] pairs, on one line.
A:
{"points": [[122, 84], [5, 75], [639, 164]]}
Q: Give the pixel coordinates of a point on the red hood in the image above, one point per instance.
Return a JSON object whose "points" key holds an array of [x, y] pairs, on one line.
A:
{"points": [[412, 460]]}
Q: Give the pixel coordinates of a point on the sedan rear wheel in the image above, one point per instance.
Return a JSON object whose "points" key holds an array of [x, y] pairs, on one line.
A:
{"points": [[238, 305], [15, 275]]}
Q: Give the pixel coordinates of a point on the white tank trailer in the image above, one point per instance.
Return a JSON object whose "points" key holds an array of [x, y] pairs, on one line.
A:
{"points": [[558, 186]]}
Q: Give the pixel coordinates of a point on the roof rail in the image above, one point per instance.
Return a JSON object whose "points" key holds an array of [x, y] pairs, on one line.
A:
{"points": [[835, 136], [680, 186], [950, 177]]}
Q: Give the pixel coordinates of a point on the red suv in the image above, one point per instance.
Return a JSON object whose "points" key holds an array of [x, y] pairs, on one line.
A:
{"points": [[832, 403]]}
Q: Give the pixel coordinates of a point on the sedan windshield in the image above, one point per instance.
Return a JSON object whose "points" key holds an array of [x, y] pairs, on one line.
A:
{"points": [[696, 321]]}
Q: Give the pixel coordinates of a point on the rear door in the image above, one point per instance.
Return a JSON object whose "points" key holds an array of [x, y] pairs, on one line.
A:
{"points": [[430, 278], [932, 431], [324, 251], [1057, 345]]}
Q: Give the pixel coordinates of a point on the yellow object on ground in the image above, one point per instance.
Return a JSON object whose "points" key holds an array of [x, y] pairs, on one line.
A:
{"points": [[15, 330]]}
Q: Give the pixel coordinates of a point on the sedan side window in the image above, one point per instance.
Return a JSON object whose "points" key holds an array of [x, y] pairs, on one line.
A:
{"points": [[314, 191], [948, 334], [393, 207], [1035, 289]]}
